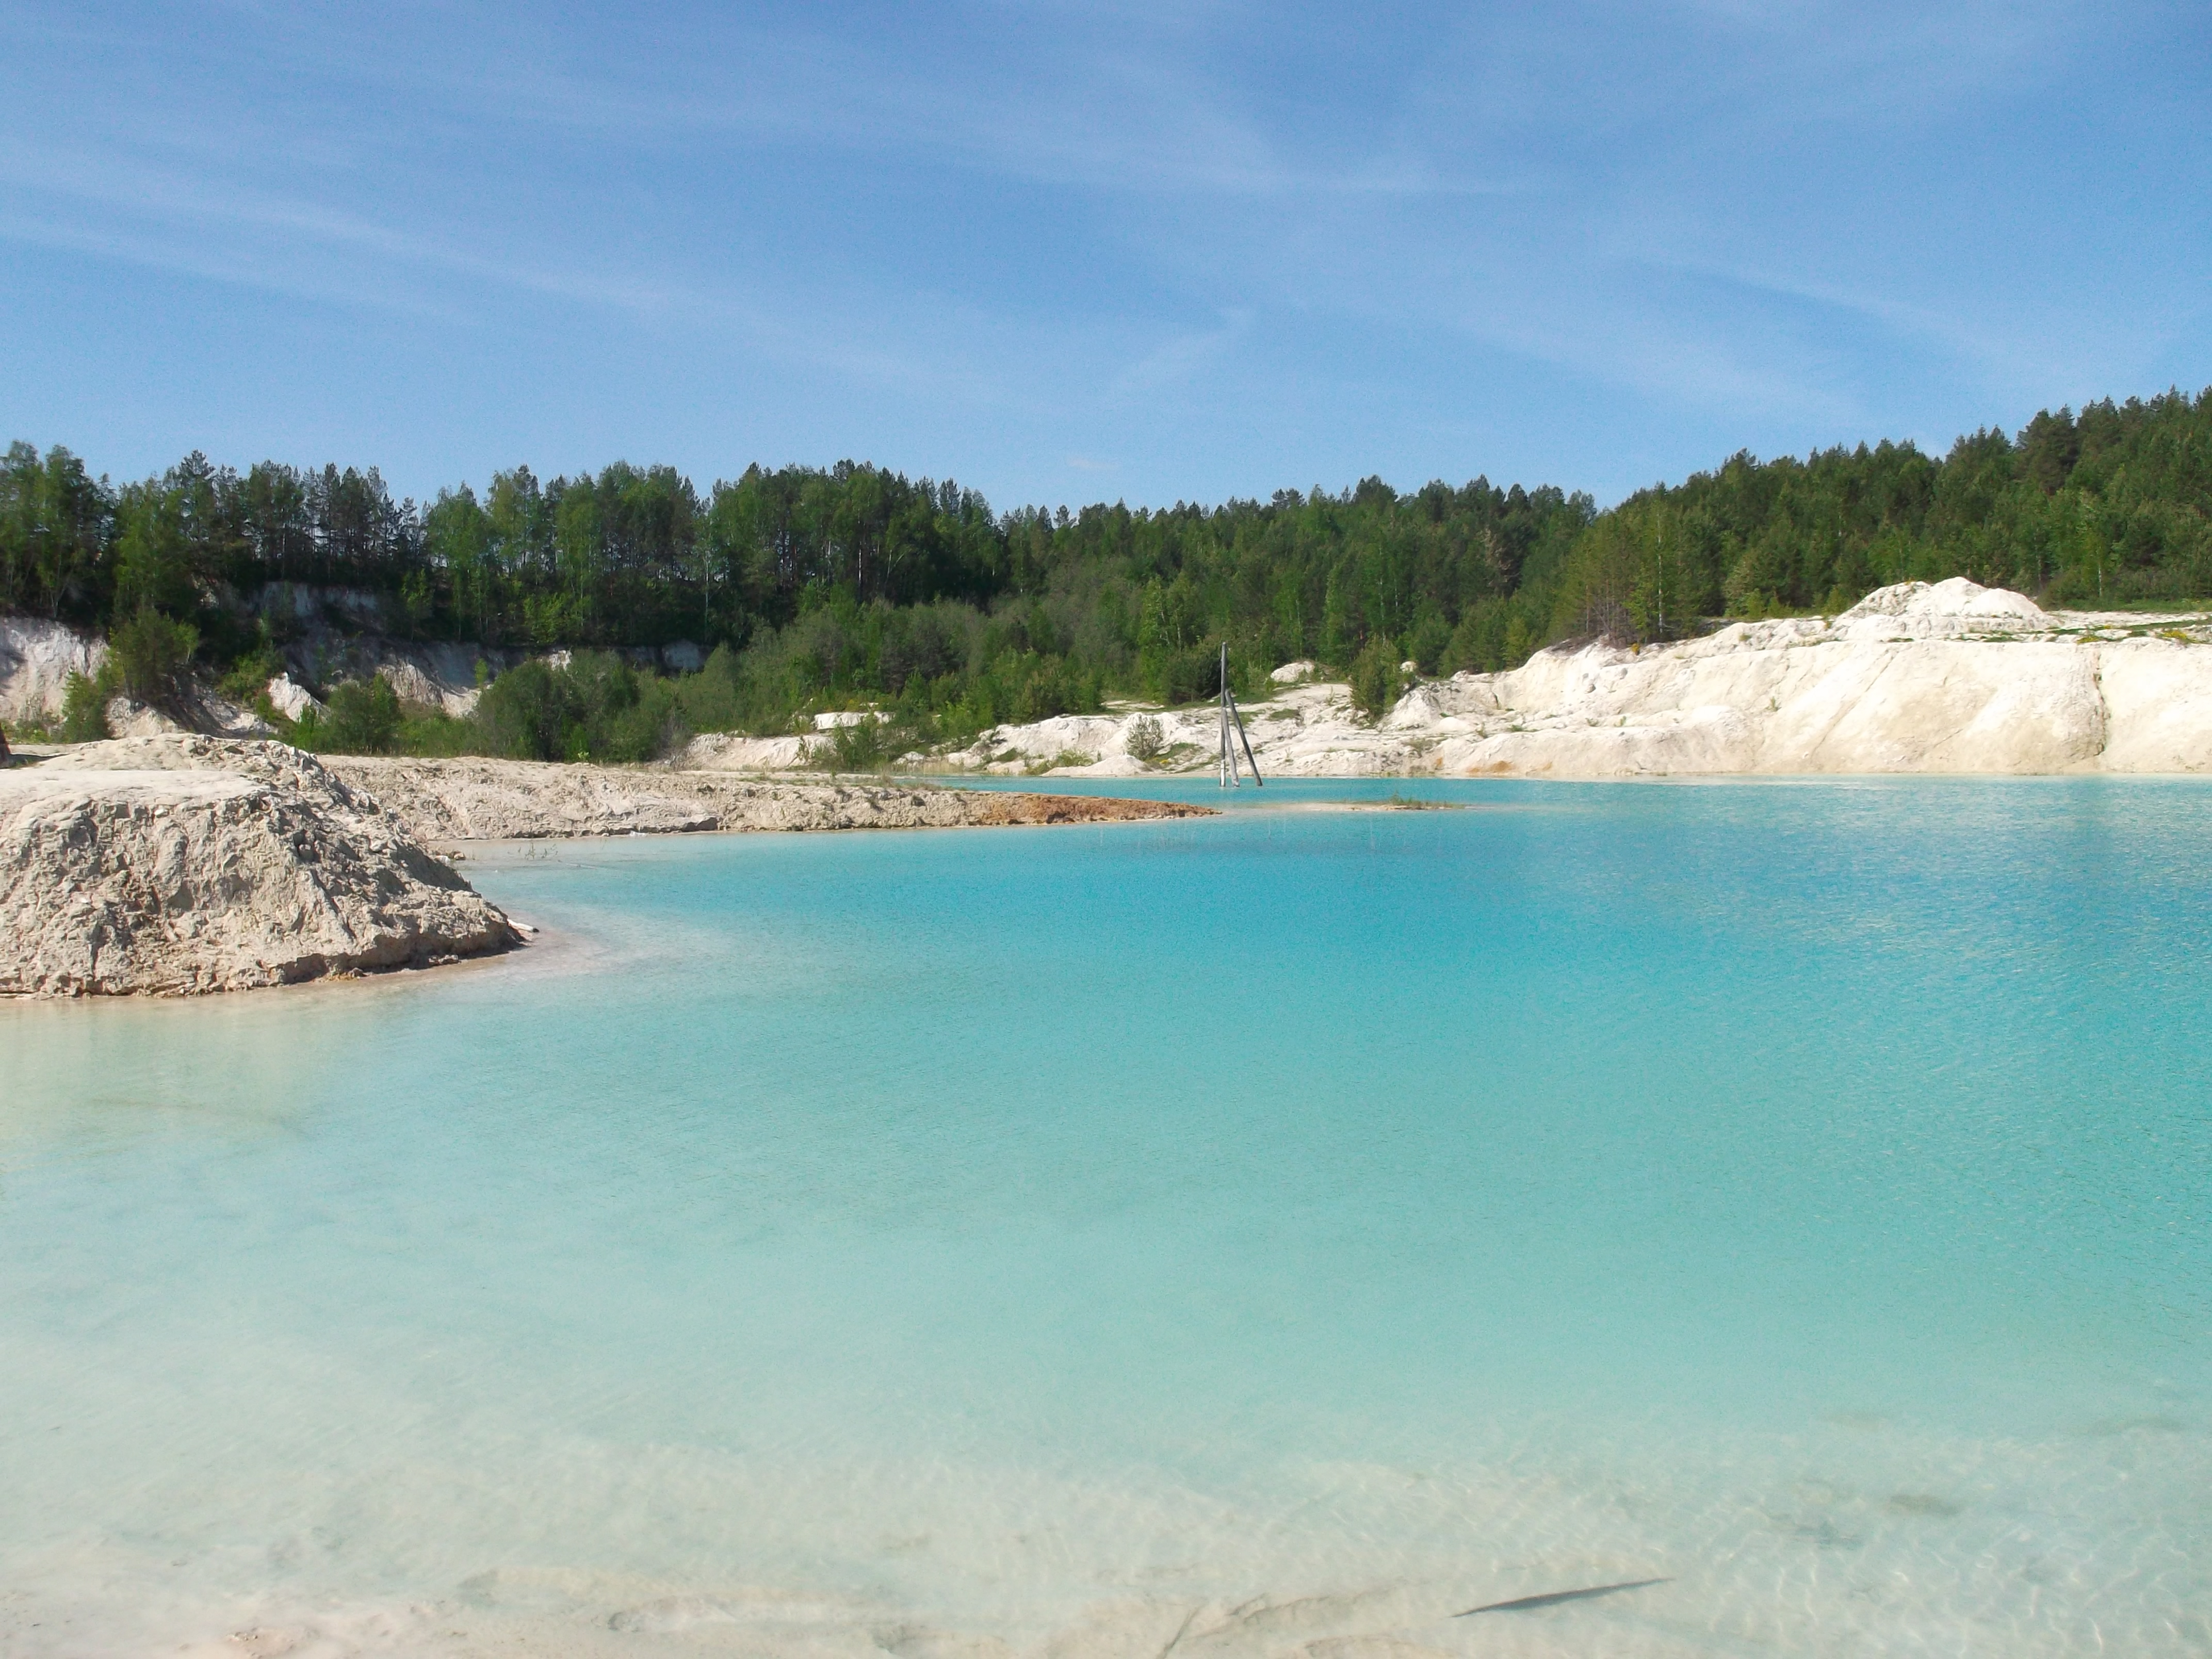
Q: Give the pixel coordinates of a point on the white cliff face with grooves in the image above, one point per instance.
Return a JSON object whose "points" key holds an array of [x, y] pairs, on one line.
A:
{"points": [[178, 864], [1953, 677], [1948, 677], [37, 657]]}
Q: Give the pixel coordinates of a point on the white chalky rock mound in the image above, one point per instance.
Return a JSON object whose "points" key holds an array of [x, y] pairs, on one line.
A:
{"points": [[1940, 610], [1948, 677], [178, 864]]}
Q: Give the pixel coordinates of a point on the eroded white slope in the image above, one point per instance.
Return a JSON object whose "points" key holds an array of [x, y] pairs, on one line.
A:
{"points": [[1953, 677]]}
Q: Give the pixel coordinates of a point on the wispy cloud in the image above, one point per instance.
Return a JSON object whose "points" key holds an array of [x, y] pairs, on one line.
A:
{"points": [[245, 236], [1070, 227], [1180, 357], [193, 206], [181, 257]]}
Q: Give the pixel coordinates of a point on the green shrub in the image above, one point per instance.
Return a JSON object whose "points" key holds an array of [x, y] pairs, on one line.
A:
{"points": [[1429, 640], [433, 732], [626, 716], [248, 677], [1377, 678], [596, 707], [360, 719], [713, 699], [523, 714], [152, 654], [1145, 738], [868, 746], [84, 708], [873, 745]]}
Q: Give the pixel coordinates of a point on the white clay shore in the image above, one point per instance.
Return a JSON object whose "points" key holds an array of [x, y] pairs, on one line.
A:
{"points": [[477, 799], [182, 864]]}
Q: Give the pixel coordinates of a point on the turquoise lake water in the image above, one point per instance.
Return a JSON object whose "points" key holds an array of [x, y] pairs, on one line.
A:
{"points": [[1288, 1230]]}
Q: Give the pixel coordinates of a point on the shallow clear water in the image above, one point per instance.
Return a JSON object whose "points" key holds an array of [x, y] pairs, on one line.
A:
{"points": [[1291, 1228]]}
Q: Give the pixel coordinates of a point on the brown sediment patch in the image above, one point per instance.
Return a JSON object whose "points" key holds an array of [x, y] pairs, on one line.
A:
{"points": [[1017, 806], [1923, 1503]]}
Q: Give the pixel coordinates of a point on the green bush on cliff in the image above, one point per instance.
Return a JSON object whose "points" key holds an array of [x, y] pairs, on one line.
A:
{"points": [[152, 656], [84, 708], [869, 745], [248, 677], [1377, 678]]}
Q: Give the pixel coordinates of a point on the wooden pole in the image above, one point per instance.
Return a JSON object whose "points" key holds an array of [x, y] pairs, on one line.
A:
{"points": [[1222, 724], [1227, 769], [1258, 782]]}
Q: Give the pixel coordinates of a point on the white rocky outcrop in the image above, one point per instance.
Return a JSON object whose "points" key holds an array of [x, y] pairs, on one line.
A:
{"points": [[36, 659], [196, 709], [732, 751], [1305, 729], [291, 699], [413, 686], [1957, 609], [179, 863], [1948, 677], [184, 864]]}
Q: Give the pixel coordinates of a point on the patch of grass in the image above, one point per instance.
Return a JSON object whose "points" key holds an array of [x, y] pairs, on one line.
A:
{"points": [[2163, 607], [1065, 757], [434, 733]]}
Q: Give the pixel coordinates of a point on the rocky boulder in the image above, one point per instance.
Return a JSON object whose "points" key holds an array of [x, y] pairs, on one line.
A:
{"points": [[182, 864]]}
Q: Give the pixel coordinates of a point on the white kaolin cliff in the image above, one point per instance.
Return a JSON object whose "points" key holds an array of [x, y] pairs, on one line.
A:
{"points": [[1953, 677]]}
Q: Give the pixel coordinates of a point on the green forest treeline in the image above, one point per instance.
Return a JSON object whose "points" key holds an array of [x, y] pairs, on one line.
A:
{"points": [[818, 588]]}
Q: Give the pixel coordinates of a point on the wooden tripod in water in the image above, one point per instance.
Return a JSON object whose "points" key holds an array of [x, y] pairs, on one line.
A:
{"points": [[1231, 719]]}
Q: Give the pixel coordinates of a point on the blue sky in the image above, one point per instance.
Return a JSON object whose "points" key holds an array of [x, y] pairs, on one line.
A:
{"points": [[1067, 253]]}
